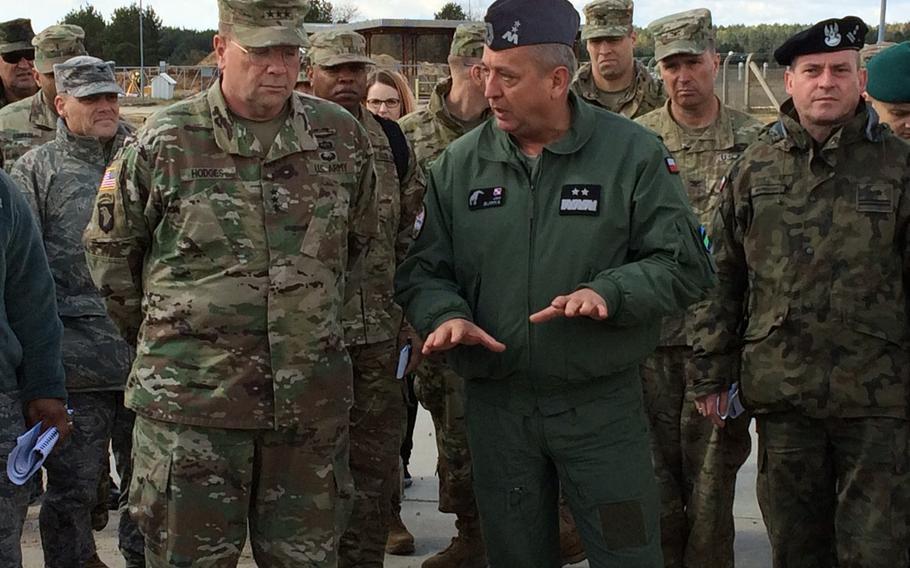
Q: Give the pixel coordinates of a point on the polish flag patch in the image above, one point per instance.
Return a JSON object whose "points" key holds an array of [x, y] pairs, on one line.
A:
{"points": [[671, 166]]}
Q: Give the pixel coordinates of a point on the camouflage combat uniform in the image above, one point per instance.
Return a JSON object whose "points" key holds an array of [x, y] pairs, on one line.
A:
{"points": [[644, 94], [24, 125], [695, 463], [30, 365], [811, 244], [59, 180], [31, 122], [372, 321], [438, 388], [228, 265]]}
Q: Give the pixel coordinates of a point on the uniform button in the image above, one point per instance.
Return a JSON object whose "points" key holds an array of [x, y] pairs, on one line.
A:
{"points": [[810, 250]]}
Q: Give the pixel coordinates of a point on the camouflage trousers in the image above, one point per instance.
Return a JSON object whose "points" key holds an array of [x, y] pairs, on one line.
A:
{"points": [[695, 463], [13, 498], [832, 491], [196, 491], [375, 441], [441, 392], [73, 472]]}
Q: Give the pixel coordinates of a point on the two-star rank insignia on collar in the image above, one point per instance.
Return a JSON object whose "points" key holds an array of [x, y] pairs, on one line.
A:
{"points": [[580, 200]]}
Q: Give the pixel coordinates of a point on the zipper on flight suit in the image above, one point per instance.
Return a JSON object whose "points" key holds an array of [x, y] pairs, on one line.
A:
{"points": [[532, 205]]}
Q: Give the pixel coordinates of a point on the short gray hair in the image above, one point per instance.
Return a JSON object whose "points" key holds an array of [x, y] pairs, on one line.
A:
{"points": [[549, 56]]}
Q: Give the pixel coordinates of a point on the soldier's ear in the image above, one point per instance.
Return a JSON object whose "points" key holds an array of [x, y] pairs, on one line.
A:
{"points": [[60, 105]]}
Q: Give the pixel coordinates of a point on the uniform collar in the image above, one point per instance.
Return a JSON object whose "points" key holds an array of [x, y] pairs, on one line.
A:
{"points": [[233, 137], [789, 133], [439, 111], [721, 128], [637, 88], [498, 146], [86, 148], [41, 113]]}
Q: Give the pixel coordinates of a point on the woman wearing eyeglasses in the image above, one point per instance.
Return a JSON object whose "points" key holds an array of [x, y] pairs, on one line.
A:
{"points": [[388, 94]]}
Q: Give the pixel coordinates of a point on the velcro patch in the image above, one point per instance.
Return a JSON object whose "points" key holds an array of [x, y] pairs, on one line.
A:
{"points": [[486, 197], [580, 200], [671, 166], [106, 213], [192, 174], [109, 181]]}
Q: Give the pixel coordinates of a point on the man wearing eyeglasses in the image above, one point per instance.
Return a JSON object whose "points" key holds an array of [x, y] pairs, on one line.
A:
{"points": [[17, 55], [223, 239], [337, 67]]}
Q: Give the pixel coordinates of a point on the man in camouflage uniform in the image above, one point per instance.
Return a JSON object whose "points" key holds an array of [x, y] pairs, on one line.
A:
{"points": [[59, 179], [31, 122], [31, 375], [456, 106], [222, 239], [695, 463], [812, 244], [17, 55], [613, 79], [888, 88], [337, 68]]}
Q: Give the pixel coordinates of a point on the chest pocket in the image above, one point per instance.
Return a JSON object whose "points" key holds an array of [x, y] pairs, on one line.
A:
{"points": [[217, 223], [327, 227]]}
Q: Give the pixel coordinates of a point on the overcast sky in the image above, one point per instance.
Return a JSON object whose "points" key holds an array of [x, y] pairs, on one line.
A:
{"points": [[203, 14]]}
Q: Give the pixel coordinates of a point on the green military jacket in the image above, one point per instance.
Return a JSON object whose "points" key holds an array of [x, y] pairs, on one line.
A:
{"points": [[228, 265], [24, 125], [431, 129], [702, 159], [371, 315], [646, 94], [60, 179], [499, 243], [811, 244]]}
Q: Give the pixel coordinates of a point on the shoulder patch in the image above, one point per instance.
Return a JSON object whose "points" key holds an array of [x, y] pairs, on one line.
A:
{"points": [[109, 179], [672, 167], [419, 222]]}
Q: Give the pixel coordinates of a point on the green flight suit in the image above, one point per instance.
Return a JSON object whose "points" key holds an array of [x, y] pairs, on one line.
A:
{"points": [[563, 403]]}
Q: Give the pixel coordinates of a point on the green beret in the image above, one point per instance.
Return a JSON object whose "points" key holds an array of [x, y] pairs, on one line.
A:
{"points": [[889, 75]]}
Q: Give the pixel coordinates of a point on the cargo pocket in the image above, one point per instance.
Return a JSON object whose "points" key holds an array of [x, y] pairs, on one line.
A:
{"points": [[150, 490], [623, 525]]}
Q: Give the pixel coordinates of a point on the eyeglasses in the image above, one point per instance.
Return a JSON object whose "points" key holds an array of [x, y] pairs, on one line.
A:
{"points": [[262, 56], [389, 103], [14, 57]]}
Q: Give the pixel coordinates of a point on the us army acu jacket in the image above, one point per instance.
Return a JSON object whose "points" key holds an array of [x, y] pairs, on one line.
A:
{"points": [[59, 179], [229, 268], [24, 125], [371, 315], [811, 245], [647, 94], [433, 128], [701, 165]]}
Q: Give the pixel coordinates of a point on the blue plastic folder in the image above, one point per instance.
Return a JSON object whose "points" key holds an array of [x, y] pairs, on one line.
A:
{"points": [[32, 448]]}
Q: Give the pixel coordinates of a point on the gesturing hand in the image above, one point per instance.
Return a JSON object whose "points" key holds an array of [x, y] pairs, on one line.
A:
{"points": [[585, 302], [459, 332]]}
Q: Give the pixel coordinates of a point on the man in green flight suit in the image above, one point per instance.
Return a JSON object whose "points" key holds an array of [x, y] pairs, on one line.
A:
{"points": [[546, 257]]}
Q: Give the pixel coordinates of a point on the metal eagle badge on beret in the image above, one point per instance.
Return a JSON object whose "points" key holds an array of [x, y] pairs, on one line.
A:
{"points": [[828, 36]]}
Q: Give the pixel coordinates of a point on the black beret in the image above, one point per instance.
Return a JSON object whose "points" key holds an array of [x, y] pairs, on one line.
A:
{"points": [[824, 37], [514, 23]]}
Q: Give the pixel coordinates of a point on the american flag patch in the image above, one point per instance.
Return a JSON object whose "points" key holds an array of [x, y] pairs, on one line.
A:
{"points": [[671, 165], [109, 181]]}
